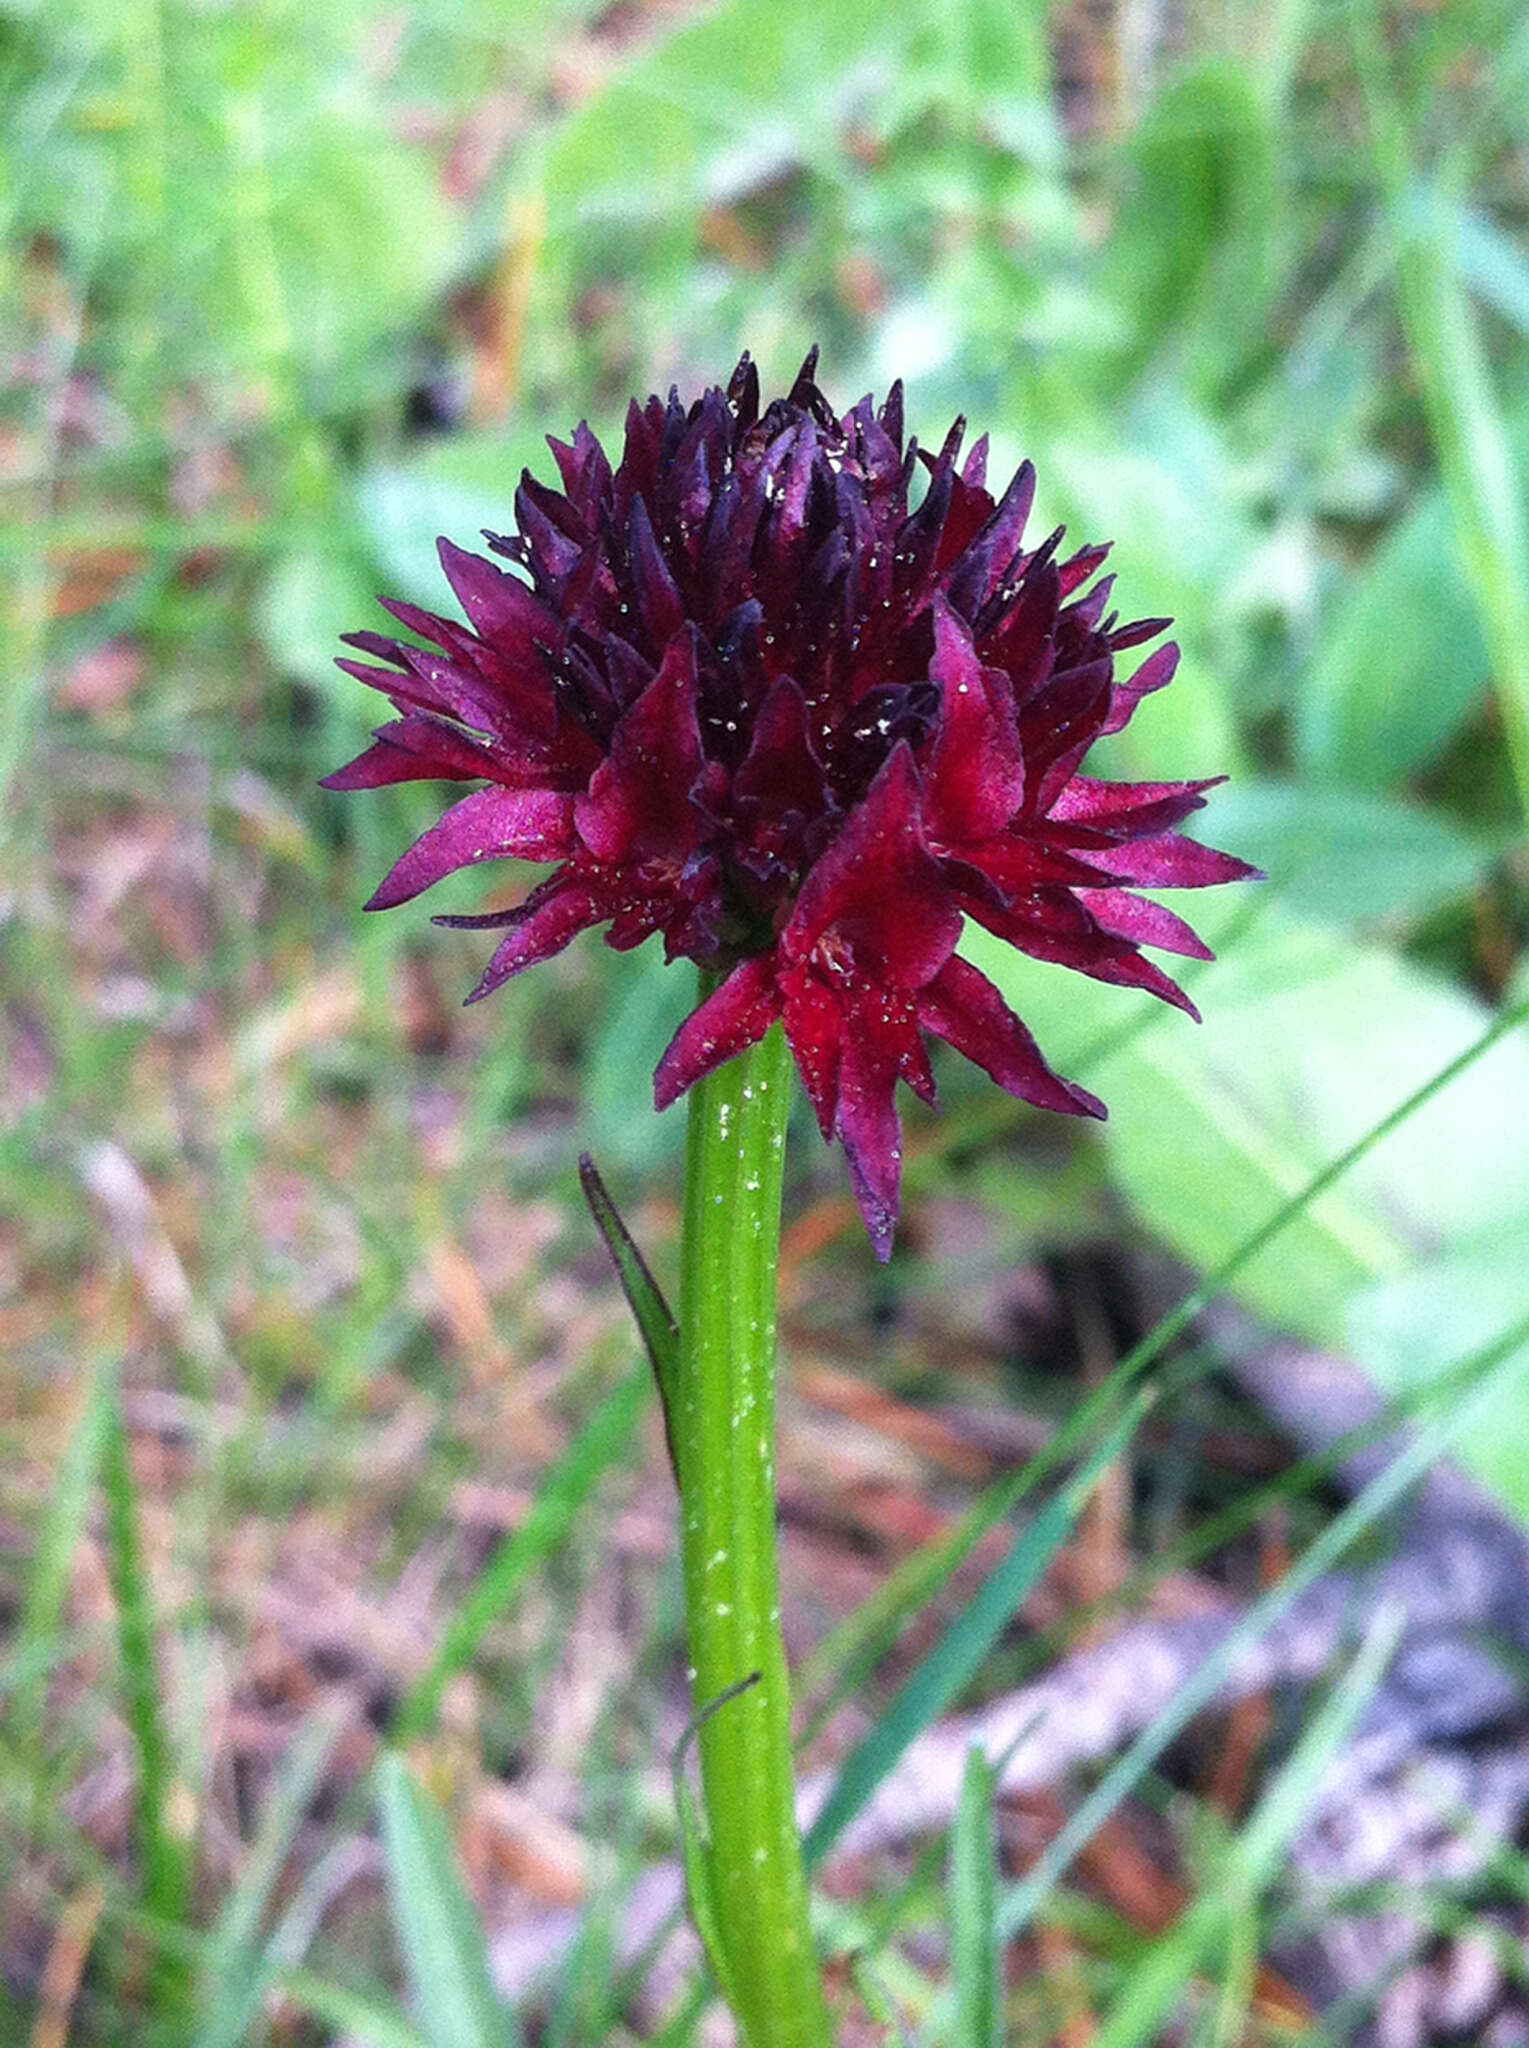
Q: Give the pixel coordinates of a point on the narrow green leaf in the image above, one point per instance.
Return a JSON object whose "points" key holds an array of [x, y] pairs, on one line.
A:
{"points": [[165, 1855], [237, 1972], [42, 1613], [352, 2013], [958, 1656], [1476, 460], [1252, 1860], [976, 1959], [438, 1931], [1503, 1368], [655, 1320], [601, 1443]]}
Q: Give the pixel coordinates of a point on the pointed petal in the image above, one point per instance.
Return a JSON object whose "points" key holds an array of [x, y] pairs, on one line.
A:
{"points": [[1173, 862], [556, 913], [1144, 923], [879, 889], [500, 607], [659, 604], [962, 1006], [974, 776], [869, 1127], [970, 579], [1155, 673], [815, 1032], [417, 748], [638, 801], [1087, 948], [1130, 808], [491, 824], [1079, 567], [734, 1016]]}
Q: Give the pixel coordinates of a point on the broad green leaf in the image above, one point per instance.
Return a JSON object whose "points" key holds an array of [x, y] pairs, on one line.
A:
{"points": [[1420, 1325], [310, 597], [1401, 663], [1494, 264], [1192, 239], [646, 1000], [438, 1931], [1308, 1039], [1346, 856], [776, 74], [314, 191], [459, 489]]}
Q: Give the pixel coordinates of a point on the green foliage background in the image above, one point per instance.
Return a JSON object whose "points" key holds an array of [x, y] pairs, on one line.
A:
{"points": [[1250, 283]]}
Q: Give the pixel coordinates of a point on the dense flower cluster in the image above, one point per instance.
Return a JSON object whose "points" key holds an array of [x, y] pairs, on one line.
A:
{"points": [[746, 693]]}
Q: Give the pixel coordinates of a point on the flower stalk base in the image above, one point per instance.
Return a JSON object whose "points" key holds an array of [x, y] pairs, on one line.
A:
{"points": [[724, 1430]]}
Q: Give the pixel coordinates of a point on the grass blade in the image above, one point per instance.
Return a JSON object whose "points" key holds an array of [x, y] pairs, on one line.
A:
{"points": [[165, 1856], [869, 1633], [959, 1654], [976, 1959], [564, 1490], [1253, 1859], [438, 1931], [1475, 457], [237, 1972], [355, 2014], [42, 1614], [1499, 1369]]}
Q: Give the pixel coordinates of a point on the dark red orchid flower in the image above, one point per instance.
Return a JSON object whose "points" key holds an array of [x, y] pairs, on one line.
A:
{"points": [[744, 693]]}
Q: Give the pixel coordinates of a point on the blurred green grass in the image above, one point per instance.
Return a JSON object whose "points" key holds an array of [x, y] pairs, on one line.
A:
{"points": [[287, 292]]}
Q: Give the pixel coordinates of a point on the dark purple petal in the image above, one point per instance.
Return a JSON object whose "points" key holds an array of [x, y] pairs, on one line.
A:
{"points": [[548, 920], [868, 1125], [1091, 951], [638, 802], [974, 775], [734, 1016], [962, 1006], [1155, 673], [1172, 862], [756, 696], [1144, 923], [1130, 809], [417, 748], [879, 890], [491, 824], [659, 604]]}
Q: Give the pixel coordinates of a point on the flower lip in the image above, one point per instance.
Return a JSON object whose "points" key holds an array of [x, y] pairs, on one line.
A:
{"points": [[749, 689]]}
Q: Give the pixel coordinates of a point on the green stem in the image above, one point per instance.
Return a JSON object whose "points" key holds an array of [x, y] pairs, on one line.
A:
{"points": [[725, 1445]]}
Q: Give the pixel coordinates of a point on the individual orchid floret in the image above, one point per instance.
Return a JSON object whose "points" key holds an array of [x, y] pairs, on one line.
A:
{"points": [[753, 691]]}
